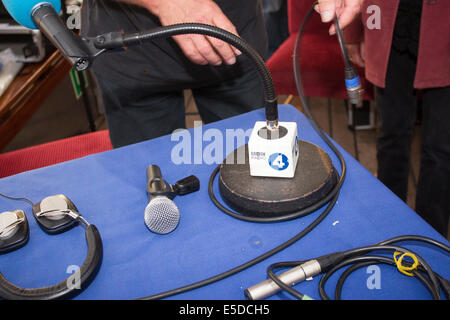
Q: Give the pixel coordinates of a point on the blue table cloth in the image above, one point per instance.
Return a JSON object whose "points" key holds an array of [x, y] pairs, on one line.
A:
{"points": [[109, 190]]}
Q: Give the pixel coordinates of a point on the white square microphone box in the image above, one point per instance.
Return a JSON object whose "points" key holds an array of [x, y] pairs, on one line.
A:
{"points": [[273, 153]]}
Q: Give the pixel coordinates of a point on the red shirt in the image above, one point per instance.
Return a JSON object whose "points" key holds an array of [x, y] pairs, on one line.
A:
{"points": [[433, 62]]}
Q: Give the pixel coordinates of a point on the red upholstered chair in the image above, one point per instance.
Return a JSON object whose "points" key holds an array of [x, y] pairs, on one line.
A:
{"points": [[53, 152], [322, 65]]}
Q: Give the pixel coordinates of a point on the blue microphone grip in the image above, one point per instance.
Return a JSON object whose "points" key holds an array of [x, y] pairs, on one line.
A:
{"points": [[21, 10]]}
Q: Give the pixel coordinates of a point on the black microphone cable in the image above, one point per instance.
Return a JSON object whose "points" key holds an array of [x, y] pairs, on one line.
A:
{"points": [[117, 40], [358, 258], [352, 80], [331, 199], [17, 198], [331, 263]]}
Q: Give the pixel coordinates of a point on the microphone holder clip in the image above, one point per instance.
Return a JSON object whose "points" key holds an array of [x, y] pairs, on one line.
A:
{"points": [[182, 187]]}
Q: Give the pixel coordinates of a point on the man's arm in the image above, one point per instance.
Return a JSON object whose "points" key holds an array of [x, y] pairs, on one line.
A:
{"points": [[199, 49]]}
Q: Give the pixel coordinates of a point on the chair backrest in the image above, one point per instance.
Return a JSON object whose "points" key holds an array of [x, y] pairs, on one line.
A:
{"points": [[53, 152], [297, 10]]}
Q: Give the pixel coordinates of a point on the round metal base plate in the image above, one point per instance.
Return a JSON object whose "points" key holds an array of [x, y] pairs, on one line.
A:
{"points": [[314, 178]]}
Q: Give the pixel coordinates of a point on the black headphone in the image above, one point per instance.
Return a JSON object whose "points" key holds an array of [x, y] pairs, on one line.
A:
{"points": [[55, 214]]}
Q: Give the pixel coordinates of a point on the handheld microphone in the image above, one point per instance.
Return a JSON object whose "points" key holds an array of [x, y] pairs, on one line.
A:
{"points": [[162, 214], [22, 10], [82, 51], [43, 15]]}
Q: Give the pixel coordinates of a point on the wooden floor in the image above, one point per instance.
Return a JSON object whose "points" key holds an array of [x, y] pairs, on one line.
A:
{"points": [[63, 116]]}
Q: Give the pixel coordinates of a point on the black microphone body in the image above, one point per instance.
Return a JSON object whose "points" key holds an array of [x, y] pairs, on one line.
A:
{"points": [[70, 45], [156, 185]]}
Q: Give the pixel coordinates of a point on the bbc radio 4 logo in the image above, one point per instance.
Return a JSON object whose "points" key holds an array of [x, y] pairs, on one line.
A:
{"points": [[278, 161]]}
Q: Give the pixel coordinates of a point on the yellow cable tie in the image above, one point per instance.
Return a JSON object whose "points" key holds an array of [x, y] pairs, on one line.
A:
{"points": [[404, 269]]}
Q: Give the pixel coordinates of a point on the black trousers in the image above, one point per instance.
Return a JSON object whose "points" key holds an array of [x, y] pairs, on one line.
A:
{"points": [[397, 106], [139, 113]]}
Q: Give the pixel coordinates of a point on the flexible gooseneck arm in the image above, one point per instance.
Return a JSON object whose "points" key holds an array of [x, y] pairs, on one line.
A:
{"points": [[116, 40], [82, 51]]}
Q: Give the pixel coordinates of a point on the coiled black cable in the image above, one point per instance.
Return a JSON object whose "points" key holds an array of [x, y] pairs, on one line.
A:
{"points": [[357, 258], [331, 199], [433, 282], [118, 40]]}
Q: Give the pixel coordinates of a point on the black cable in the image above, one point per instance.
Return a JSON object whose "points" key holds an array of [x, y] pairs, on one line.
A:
{"points": [[298, 214], [335, 192], [357, 259], [432, 282], [271, 274], [248, 264], [17, 199], [299, 85], [115, 40], [371, 260], [352, 80], [331, 199], [340, 37]]}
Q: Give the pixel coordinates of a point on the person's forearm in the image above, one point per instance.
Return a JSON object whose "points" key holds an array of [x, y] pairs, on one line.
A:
{"points": [[199, 49]]}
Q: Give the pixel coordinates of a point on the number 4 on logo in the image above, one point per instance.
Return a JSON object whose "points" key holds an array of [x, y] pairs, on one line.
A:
{"points": [[278, 161]]}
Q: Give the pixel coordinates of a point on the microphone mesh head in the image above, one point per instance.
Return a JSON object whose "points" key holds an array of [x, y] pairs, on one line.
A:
{"points": [[162, 215]]}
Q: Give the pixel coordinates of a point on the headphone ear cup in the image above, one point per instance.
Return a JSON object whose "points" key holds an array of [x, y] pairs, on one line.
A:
{"points": [[14, 231], [55, 224]]}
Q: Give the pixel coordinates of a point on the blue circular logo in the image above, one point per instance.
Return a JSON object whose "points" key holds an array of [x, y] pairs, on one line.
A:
{"points": [[278, 161]]}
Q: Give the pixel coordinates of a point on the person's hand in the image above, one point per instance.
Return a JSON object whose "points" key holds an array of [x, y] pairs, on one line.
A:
{"points": [[356, 53], [199, 49], [346, 10]]}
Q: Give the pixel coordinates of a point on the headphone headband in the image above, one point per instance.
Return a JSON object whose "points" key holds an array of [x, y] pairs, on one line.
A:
{"points": [[64, 289]]}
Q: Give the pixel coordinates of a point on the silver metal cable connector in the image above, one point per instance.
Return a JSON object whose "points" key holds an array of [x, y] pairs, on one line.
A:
{"points": [[355, 95], [291, 277]]}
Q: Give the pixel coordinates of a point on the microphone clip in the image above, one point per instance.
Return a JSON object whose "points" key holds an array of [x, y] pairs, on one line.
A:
{"points": [[157, 186]]}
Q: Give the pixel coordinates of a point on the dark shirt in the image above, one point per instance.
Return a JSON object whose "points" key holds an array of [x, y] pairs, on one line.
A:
{"points": [[161, 61], [407, 27]]}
